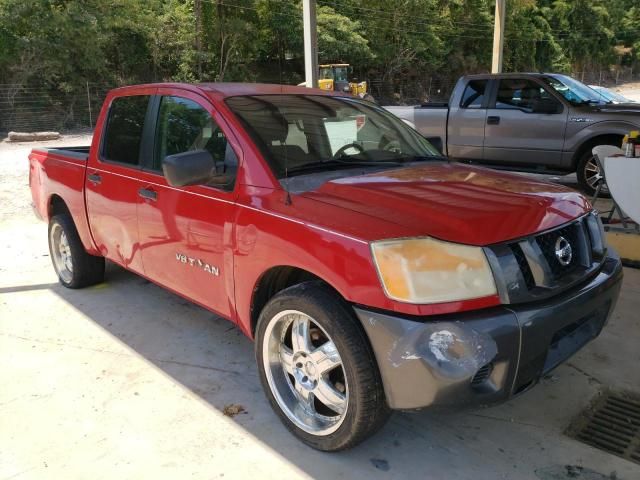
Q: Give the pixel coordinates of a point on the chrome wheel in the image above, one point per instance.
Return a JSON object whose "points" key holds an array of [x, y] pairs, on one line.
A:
{"points": [[592, 174], [305, 372], [61, 253]]}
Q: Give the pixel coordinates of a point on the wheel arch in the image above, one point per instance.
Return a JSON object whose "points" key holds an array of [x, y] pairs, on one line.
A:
{"points": [[600, 139], [56, 206], [274, 280]]}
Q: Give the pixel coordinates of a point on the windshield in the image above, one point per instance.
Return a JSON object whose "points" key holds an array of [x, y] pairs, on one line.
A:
{"points": [[310, 133], [609, 95], [341, 74], [571, 89], [326, 73]]}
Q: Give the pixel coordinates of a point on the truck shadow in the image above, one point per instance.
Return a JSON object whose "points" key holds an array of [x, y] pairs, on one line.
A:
{"points": [[212, 358]]}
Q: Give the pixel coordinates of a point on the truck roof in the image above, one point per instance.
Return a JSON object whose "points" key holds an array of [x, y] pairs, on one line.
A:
{"points": [[229, 89], [509, 75]]}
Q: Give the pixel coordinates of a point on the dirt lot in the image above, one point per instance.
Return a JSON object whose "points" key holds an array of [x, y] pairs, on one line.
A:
{"points": [[125, 380], [629, 90]]}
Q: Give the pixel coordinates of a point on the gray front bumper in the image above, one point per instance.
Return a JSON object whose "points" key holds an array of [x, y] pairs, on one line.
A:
{"points": [[486, 356]]}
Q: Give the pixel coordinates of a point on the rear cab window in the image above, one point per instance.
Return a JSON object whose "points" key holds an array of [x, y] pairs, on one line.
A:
{"points": [[474, 94], [124, 130]]}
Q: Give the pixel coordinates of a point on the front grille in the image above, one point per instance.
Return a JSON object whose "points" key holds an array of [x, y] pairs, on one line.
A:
{"points": [[530, 268], [547, 243], [525, 269]]}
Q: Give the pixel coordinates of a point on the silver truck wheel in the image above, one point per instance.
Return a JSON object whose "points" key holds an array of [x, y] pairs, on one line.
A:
{"points": [[589, 175], [61, 253], [317, 368], [592, 173], [73, 265], [305, 374]]}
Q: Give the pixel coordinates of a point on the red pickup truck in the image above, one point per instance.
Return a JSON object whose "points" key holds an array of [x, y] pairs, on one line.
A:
{"points": [[372, 273]]}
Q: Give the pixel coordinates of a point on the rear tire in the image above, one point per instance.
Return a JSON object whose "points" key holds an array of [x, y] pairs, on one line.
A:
{"points": [[588, 174], [317, 368], [73, 265]]}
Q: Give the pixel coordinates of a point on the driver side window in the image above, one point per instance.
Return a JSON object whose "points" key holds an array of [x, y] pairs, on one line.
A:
{"points": [[522, 94], [183, 126]]}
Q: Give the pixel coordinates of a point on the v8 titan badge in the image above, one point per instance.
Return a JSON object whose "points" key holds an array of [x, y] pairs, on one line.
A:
{"points": [[196, 262]]}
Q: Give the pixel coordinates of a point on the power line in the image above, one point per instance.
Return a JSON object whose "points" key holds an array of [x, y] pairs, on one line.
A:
{"points": [[433, 22], [433, 25]]}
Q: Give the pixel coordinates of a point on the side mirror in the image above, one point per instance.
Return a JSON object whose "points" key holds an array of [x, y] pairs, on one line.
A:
{"points": [[195, 167], [546, 106]]}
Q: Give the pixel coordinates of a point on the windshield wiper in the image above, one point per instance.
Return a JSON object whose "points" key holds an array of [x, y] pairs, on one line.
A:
{"points": [[337, 163], [423, 158]]}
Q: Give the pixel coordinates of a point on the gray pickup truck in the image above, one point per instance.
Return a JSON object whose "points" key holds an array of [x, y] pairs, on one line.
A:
{"points": [[524, 121]]}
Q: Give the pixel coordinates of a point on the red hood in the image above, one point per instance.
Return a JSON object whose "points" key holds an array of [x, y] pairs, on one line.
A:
{"points": [[456, 202]]}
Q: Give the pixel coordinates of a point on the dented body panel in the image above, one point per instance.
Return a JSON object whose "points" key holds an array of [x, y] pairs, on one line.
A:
{"points": [[435, 361], [215, 247]]}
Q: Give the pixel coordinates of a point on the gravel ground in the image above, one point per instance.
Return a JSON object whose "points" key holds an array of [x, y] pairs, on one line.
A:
{"points": [[126, 380], [14, 173], [630, 90]]}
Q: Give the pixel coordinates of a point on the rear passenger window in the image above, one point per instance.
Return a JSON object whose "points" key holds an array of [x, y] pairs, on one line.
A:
{"points": [[123, 133], [183, 126], [473, 94]]}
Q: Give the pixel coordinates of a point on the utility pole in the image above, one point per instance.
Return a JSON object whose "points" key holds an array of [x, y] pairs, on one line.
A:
{"points": [[310, 43], [498, 37], [197, 10]]}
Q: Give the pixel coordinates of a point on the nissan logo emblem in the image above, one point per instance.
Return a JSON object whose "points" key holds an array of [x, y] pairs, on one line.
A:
{"points": [[564, 252]]}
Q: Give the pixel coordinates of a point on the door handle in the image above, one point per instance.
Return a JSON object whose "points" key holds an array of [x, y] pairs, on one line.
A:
{"points": [[148, 194], [94, 178], [492, 120]]}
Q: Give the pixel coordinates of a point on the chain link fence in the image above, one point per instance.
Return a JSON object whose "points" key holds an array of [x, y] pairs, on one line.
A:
{"points": [[33, 108], [412, 90], [608, 78]]}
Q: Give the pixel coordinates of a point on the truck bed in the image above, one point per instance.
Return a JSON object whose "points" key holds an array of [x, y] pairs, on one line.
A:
{"points": [[59, 173], [428, 119], [78, 153]]}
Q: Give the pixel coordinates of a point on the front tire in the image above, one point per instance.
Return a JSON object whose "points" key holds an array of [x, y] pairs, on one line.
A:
{"points": [[589, 175], [73, 265], [317, 368]]}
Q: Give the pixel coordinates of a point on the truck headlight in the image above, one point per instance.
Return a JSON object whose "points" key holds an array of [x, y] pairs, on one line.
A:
{"points": [[426, 270]]}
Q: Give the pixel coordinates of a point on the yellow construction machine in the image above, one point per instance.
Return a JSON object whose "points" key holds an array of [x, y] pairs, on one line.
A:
{"points": [[335, 77]]}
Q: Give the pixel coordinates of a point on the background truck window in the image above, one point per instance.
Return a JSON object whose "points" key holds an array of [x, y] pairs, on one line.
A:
{"points": [[473, 95], [123, 133], [183, 126], [521, 94]]}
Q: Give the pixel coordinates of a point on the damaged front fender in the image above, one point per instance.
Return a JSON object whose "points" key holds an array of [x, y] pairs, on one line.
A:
{"points": [[434, 362]]}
